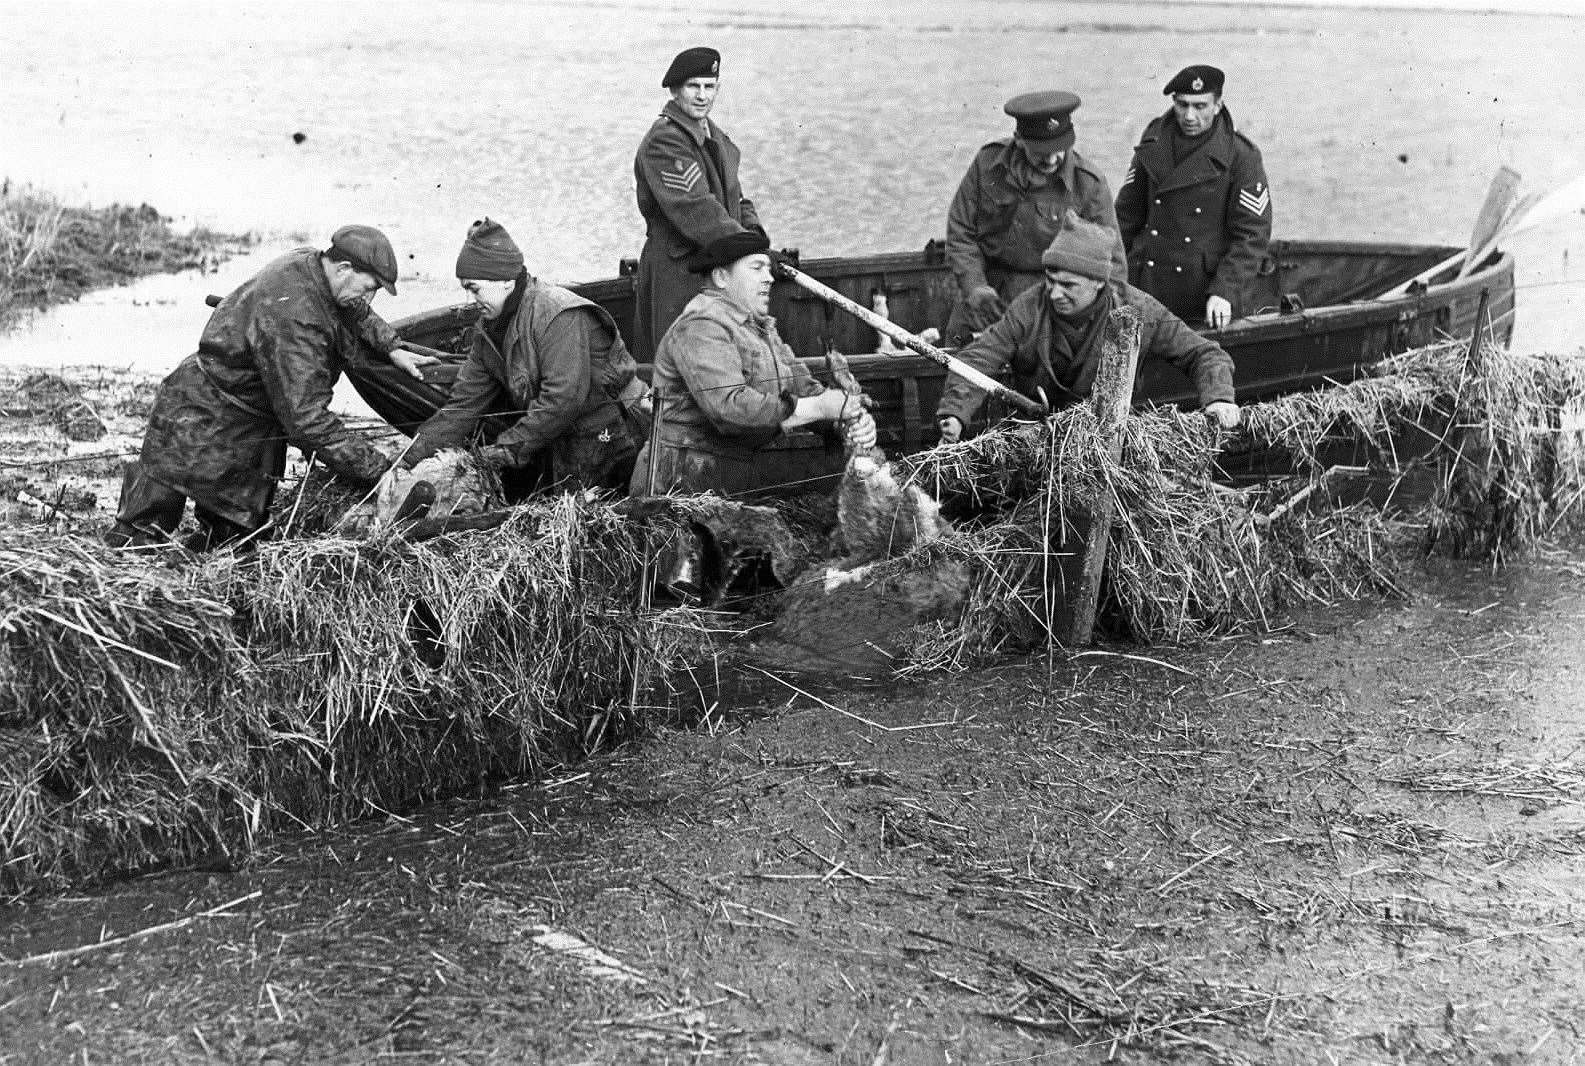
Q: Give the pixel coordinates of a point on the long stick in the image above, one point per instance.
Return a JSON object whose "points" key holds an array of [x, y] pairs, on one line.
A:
{"points": [[891, 329], [1111, 394]]}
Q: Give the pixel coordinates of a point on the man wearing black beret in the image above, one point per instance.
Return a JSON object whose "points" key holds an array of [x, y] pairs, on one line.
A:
{"points": [[1195, 208], [727, 385], [1010, 205], [688, 192]]}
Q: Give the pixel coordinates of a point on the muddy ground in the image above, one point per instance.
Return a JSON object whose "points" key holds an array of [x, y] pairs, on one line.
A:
{"points": [[1356, 838]]}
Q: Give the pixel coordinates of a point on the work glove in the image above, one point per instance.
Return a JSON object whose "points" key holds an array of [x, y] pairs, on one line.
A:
{"points": [[1218, 312], [951, 429], [984, 300], [860, 430]]}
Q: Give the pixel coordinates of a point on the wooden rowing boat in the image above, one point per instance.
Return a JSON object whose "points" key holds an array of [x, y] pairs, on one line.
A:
{"points": [[1323, 320]]}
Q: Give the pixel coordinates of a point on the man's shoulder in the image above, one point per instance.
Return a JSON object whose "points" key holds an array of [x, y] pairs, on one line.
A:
{"points": [[1084, 166], [665, 131], [1153, 132]]}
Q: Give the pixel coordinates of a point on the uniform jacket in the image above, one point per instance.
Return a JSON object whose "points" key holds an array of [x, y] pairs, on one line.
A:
{"points": [[263, 374], [1024, 340], [561, 371], [689, 195], [1199, 228], [1005, 212], [724, 381]]}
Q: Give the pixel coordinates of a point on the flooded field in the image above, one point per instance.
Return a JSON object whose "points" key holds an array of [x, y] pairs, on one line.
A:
{"points": [[1354, 838], [856, 123]]}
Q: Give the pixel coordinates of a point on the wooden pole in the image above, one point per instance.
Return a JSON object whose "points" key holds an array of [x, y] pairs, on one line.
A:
{"points": [[887, 327], [1112, 397]]}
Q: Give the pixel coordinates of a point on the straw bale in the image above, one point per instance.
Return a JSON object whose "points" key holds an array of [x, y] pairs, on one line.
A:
{"points": [[158, 709]]}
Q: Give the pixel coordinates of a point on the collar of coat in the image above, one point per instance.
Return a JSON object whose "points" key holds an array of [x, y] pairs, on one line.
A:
{"points": [[717, 304], [1154, 153], [1012, 162], [699, 131]]}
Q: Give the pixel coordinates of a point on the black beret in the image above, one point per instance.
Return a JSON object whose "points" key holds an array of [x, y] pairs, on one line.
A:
{"points": [[1196, 79], [692, 63], [1043, 118], [724, 251]]}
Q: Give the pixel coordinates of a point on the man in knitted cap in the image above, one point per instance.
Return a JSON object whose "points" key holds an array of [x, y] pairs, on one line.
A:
{"points": [[727, 385], [549, 360], [261, 379], [688, 192], [1194, 208], [1051, 335], [1009, 205]]}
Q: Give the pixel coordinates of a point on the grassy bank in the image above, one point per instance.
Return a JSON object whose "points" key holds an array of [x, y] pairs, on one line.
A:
{"points": [[51, 253]]}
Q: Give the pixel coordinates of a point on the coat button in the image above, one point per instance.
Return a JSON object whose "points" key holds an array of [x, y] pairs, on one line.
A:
{"points": [[1158, 203], [1150, 262], [1178, 269], [1196, 210], [1187, 240], [1154, 233]]}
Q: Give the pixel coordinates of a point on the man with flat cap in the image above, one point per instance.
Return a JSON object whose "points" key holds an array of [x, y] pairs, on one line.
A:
{"points": [[688, 192], [1195, 208], [1010, 204], [552, 362], [726, 384], [261, 379], [1051, 336]]}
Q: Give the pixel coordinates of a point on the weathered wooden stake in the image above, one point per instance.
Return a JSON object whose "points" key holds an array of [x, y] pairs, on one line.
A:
{"points": [[1112, 396]]}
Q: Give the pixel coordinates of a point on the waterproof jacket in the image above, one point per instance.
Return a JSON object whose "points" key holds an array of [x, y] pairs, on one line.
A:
{"points": [[724, 381], [265, 368], [561, 372], [689, 195], [1005, 214], [1027, 341], [1197, 228]]}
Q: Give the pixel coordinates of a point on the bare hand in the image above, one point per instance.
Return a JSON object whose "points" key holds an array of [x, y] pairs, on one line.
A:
{"points": [[1227, 415], [860, 430], [1218, 312], [951, 430], [411, 362]]}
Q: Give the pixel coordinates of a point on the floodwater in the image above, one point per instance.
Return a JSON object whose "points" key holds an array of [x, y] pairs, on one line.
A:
{"points": [[856, 122]]}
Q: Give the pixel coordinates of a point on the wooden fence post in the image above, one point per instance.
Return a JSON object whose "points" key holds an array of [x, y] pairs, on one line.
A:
{"points": [[1112, 397]]}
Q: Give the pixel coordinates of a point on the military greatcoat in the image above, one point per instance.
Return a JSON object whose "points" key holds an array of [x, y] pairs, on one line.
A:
{"points": [[563, 373], [262, 378], [1026, 341], [1006, 212], [1199, 227], [689, 195]]}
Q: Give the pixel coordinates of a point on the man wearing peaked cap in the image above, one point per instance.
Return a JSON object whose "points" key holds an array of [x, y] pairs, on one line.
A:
{"points": [[727, 385], [553, 362], [1195, 208], [261, 379], [686, 177], [1050, 337], [1009, 205]]}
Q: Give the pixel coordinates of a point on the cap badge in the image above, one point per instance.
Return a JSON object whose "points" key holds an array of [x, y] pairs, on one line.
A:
{"points": [[715, 68], [1197, 84]]}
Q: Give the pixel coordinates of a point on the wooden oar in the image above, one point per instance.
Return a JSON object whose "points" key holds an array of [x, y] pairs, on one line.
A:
{"points": [[1500, 198], [914, 343]]}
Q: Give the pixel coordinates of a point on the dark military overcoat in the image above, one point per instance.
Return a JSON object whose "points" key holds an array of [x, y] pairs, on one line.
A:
{"points": [[689, 195], [1198, 228], [262, 378]]}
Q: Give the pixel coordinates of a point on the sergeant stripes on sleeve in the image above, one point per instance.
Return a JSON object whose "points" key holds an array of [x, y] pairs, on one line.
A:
{"points": [[685, 181], [1254, 202]]}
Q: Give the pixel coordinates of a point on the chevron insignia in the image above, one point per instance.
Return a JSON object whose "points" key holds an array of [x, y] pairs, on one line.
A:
{"points": [[1130, 175], [1255, 200], [684, 178]]}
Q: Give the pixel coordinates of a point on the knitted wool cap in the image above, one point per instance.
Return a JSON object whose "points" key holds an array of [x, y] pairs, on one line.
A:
{"points": [[489, 253], [1082, 247]]}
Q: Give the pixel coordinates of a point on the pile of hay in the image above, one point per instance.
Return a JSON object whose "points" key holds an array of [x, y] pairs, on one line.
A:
{"points": [[1190, 555], [155, 711]]}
